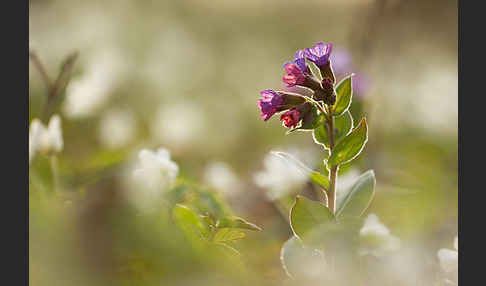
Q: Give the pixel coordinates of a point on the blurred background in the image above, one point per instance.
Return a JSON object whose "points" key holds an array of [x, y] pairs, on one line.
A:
{"points": [[186, 75]]}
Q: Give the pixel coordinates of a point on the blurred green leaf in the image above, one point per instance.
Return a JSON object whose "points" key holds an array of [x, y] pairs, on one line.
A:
{"points": [[306, 215], [227, 234], [190, 223], [294, 257], [342, 126], [357, 200], [314, 176], [344, 94], [236, 222], [350, 146]]}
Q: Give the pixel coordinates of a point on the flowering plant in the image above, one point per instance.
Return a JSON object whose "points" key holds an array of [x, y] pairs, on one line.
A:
{"points": [[325, 114]]}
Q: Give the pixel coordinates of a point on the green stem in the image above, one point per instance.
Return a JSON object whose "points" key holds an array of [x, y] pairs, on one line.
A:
{"points": [[333, 171], [55, 172]]}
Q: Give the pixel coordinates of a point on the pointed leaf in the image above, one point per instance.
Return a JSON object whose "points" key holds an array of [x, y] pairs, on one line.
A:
{"points": [[236, 222], [315, 176], [307, 215], [359, 197], [189, 222], [228, 234], [350, 146], [344, 96], [342, 126]]}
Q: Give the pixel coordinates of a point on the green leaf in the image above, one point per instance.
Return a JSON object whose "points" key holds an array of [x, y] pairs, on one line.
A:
{"points": [[344, 96], [342, 126], [307, 215], [315, 70], [190, 223], [359, 197], [227, 234], [315, 176], [236, 222], [295, 257], [350, 146]]}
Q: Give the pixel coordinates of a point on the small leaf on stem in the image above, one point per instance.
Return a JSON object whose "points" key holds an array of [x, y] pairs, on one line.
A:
{"points": [[350, 146]]}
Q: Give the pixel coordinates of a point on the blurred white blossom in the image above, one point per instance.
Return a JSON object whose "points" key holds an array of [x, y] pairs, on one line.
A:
{"points": [[221, 176], [87, 94], [449, 261], [178, 124], [117, 128], [154, 173], [45, 140], [376, 237], [279, 177]]}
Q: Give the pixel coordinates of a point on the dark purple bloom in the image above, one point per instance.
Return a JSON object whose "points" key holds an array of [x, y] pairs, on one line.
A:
{"points": [[269, 103], [294, 76], [299, 60], [319, 54], [291, 118]]}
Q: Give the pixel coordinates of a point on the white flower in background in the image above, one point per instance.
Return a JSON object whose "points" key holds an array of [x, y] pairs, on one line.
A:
{"points": [[156, 169], [87, 94], [45, 140], [279, 177], [376, 238], [154, 172], [448, 258], [117, 128], [220, 176], [178, 125]]}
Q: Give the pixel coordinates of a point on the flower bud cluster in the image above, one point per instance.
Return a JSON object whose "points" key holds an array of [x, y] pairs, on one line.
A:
{"points": [[298, 73]]}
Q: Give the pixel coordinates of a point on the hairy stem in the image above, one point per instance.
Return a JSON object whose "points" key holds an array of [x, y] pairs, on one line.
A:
{"points": [[333, 171]]}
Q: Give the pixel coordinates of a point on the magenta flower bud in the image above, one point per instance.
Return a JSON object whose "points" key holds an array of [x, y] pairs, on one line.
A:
{"points": [[291, 118], [319, 54], [294, 76], [269, 103]]}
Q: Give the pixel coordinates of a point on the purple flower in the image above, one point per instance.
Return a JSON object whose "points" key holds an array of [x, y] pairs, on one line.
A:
{"points": [[361, 84], [319, 54], [299, 60], [269, 103], [341, 62], [295, 75], [291, 118]]}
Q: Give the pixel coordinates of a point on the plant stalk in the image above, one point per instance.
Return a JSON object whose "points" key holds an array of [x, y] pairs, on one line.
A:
{"points": [[333, 171]]}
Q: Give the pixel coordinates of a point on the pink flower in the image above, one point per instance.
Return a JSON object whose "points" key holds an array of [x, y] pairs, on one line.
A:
{"points": [[294, 76], [291, 118]]}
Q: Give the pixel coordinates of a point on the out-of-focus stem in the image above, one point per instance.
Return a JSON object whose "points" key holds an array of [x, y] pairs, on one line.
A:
{"points": [[55, 172]]}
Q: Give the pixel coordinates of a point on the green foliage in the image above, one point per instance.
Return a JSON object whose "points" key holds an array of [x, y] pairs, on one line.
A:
{"points": [[359, 197], [342, 126], [227, 235], [344, 93], [190, 223], [306, 215], [350, 146], [295, 257], [236, 222]]}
